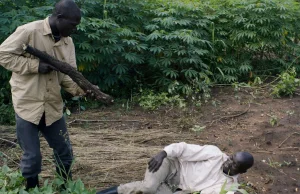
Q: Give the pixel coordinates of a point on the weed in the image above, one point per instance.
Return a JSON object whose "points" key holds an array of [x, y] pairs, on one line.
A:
{"points": [[12, 182], [234, 187], [273, 120], [151, 101], [257, 81], [185, 123], [198, 129], [75, 102], [272, 163], [290, 114], [287, 84]]}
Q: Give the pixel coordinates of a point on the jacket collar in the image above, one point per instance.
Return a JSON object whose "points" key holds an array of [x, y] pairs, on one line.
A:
{"points": [[47, 31]]}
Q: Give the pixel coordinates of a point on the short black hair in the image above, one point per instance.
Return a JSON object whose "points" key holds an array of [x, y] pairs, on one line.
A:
{"points": [[245, 159], [67, 8]]}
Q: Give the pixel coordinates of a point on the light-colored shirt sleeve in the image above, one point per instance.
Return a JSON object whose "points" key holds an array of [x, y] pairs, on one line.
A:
{"points": [[191, 152], [67, 83], [11, 53], [70, 86]]}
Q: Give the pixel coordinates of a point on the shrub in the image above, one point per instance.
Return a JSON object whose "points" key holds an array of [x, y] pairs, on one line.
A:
{"points": [[178, 47], [287, 84], [151, 101]]}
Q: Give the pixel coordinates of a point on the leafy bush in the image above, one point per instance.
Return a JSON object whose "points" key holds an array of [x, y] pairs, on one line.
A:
{"points": [[12, 182], [253, 37], [7, 113], [178, 47], [151, 101], [287, 84]]}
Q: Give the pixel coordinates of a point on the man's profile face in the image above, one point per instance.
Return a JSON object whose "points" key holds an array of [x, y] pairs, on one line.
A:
{"points": [[67, 25], [238, 163], [231, 166]]}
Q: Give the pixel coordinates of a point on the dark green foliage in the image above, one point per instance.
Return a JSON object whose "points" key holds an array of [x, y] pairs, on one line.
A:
{"points": [[7, 114], [179, 47], [253, 37], [109, 49]]}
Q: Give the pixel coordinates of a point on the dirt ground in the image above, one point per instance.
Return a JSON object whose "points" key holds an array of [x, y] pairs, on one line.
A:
{"points": [[115, 146]]}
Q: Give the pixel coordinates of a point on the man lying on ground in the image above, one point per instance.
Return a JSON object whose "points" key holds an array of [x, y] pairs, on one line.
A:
{"points": [[183, 168]]}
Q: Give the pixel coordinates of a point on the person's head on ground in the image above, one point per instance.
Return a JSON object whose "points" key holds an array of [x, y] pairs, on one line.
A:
{"points": [[238, 163], [65, 17]]}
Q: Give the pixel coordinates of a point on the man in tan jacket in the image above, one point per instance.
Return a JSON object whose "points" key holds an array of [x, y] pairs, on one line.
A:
{"points": [[36, 87], [183, 168]]}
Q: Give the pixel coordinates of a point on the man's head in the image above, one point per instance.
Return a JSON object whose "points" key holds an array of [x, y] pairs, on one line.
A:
{"points": [[66, 16], [238, 163]]}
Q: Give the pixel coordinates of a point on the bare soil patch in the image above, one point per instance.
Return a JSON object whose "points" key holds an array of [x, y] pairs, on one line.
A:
{"points": [[115, 148]]}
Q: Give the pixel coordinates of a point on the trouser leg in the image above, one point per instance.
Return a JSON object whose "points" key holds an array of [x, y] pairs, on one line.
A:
{"points": [[58, 139], [28, 139], [153, 183]]}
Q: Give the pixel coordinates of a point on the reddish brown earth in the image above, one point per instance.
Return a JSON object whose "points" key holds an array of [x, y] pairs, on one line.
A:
{"points": [[116, 148]]}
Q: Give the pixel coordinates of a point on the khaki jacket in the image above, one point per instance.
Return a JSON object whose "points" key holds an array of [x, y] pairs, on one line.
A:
{"points": [[34, 93]]}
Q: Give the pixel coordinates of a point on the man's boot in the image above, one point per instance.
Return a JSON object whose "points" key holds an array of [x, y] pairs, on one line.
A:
{"points": [[32, 182], [112, 190]]}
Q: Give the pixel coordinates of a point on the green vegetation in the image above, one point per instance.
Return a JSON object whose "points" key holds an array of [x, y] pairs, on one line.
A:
{"points": [[287, 84], [151, 101], [180, 47], [12, 182]]}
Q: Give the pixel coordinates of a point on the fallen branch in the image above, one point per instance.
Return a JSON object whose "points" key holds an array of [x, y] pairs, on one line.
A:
{"points": [[289, 148], [230, 116], [67, 69], [8, 158], [288, 138], [8, 141], [263, 151], [99, 121]]}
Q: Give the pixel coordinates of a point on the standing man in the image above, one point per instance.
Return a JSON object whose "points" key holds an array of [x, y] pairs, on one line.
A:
{"points": [[36, 88], [183, 168]]}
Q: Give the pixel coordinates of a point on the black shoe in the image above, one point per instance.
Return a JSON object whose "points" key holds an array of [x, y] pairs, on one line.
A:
{"points": [[112, 190], [32, 182]]}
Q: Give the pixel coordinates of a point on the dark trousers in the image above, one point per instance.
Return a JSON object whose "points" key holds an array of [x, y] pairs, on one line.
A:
{"points": [[57, 138]]}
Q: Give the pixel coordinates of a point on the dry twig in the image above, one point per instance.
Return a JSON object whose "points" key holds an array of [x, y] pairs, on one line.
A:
{"points": [[264, 151], [9, 141], [230, 116], [9, 158], [289, 148], [288, 138], [99, 121]]}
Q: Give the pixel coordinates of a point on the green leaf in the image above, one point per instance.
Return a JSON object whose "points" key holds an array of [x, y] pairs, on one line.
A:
{"points": [[76, 98], [153, 36], [130, 42], [120, 69], [171, 73], [190, 73], [68, 112], [156, 49]]}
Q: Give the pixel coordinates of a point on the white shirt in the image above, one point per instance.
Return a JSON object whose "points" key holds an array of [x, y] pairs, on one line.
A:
{"points": [[200, 167]]}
